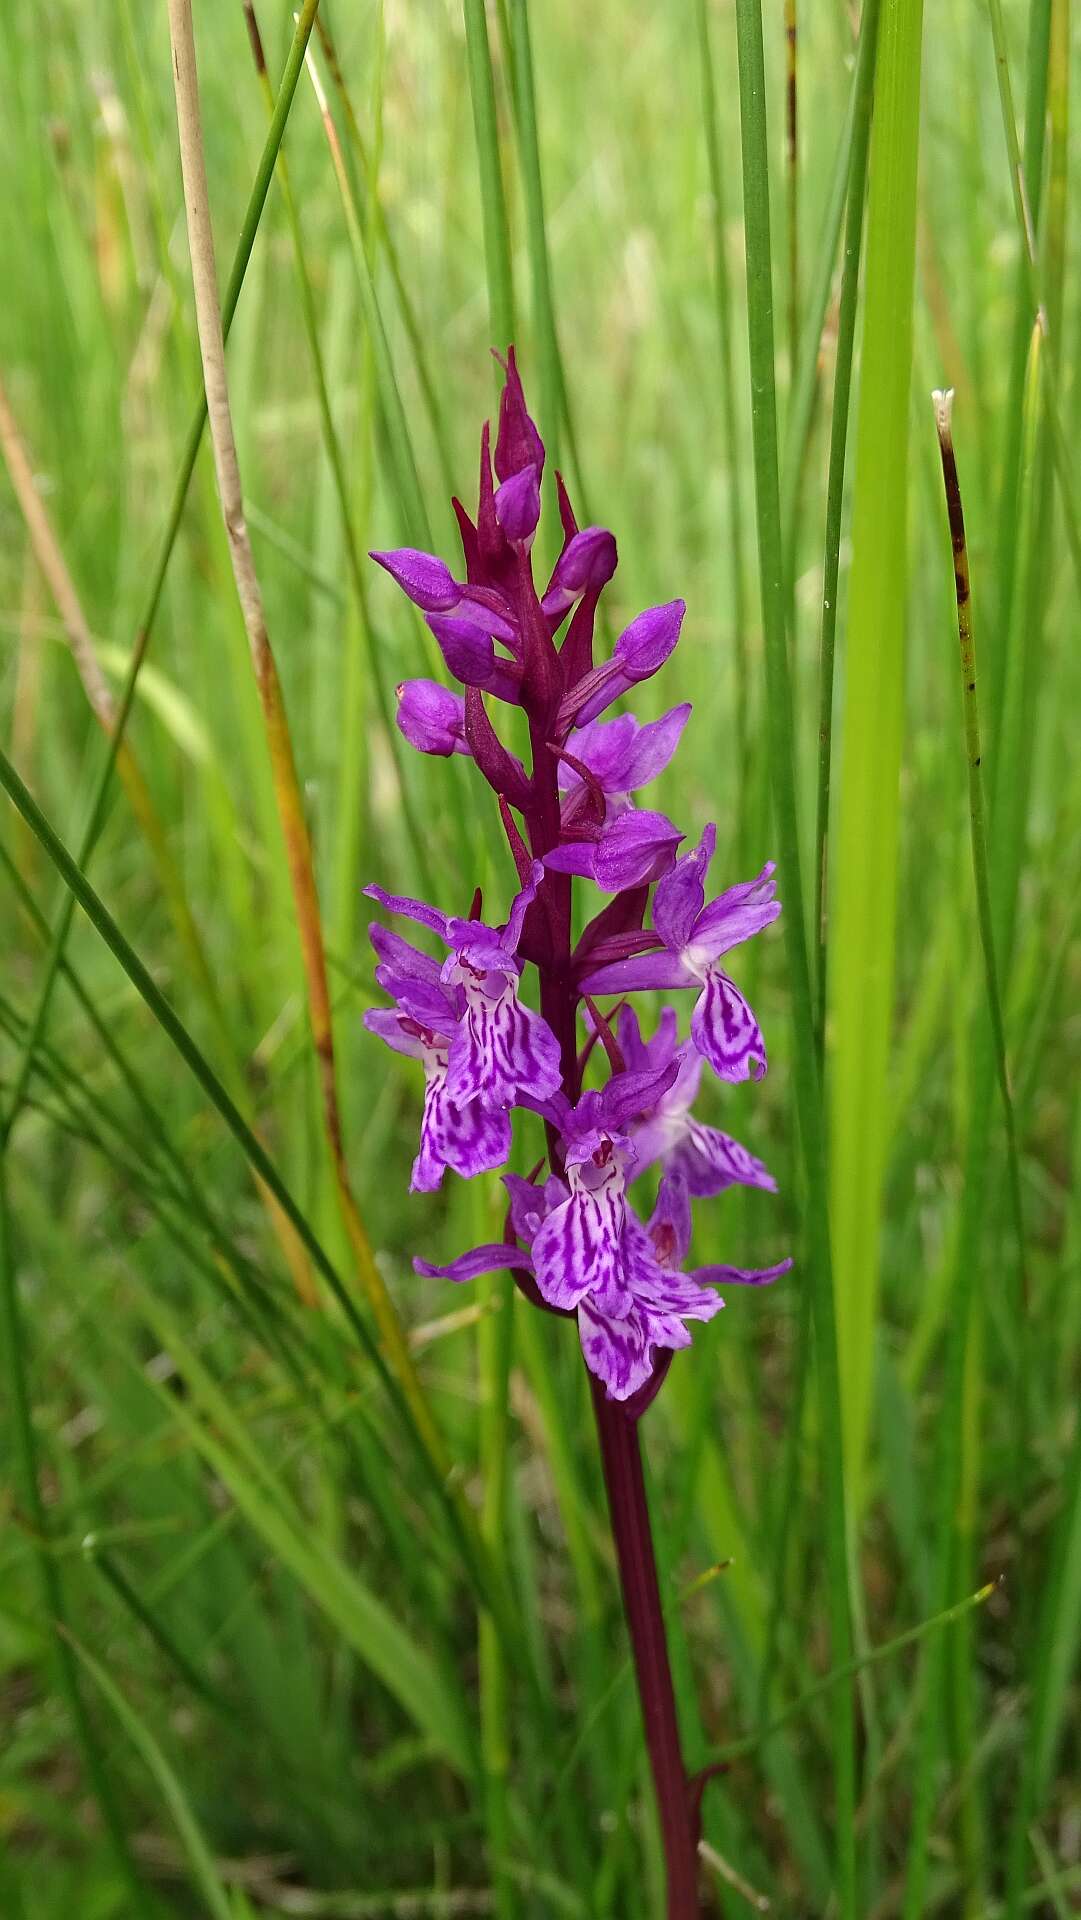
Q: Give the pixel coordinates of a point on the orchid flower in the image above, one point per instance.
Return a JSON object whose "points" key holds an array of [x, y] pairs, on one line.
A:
{"points": [[689, 941]]}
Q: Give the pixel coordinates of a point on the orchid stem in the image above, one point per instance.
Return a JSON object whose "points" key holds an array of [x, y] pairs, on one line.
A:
{"points": [[628, 1508]]}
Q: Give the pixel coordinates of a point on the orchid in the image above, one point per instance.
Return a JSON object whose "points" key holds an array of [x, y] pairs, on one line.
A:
{"points": [[577, 1243], [499, 1047], [485, 1052]]}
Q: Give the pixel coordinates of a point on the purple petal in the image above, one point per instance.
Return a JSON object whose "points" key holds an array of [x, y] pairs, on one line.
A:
{"points": [[670, 1223], [431, 717], [645, 645], [633, 849], [643, 1056], [397, 954], [629, 1094], [428, 583], [387, 1024], [430, 1006], [418, 910], [470, 654], [711, 1161], [741, 1276], [681, 895], [605, 747], [469, 1139], [574, 856], [654, 746], [588, 560], [531, 1204], [488, 607], [493, 1258], [631, 1044], [617, 1352], [725, 1030], [734, 917], [643, 972], [520, 905], [518, 444], [517, 507]]}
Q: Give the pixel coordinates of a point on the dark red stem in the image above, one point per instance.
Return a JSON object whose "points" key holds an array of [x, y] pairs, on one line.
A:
{"points": [[629, 1510]]}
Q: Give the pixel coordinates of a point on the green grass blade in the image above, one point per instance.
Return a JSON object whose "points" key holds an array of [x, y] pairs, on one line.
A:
{"points": [[203, 1870], [497, 254], [864, 890], [831, 564], [12, 1334], [781, 745]]}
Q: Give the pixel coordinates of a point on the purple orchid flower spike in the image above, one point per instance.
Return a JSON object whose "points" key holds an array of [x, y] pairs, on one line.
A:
{"points": [[575, 1239], [692, 938], [707, 1160], [501, 1048]]}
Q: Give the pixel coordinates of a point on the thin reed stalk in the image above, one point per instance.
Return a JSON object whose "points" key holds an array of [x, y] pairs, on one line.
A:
{"points": [[864, 885], [279, 743], [332, 444]]}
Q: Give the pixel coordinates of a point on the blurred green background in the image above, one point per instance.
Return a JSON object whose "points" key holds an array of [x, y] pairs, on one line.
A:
{"points": [[269, 1690]]}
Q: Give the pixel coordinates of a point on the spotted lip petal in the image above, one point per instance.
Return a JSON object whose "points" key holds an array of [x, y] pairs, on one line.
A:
{"points": [[725, 1030], [469, 1139]]}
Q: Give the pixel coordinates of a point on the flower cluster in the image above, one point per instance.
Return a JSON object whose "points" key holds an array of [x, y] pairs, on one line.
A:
{"points": [[574, 1240]]}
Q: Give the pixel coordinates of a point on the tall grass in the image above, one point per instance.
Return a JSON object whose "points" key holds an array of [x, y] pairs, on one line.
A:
{"points": [[263, 1648]]}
